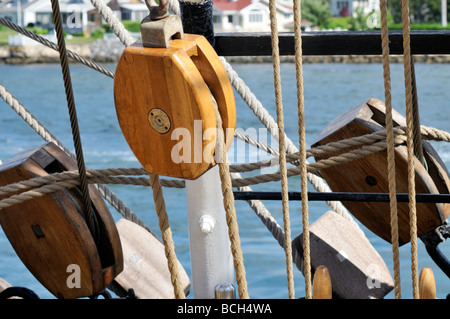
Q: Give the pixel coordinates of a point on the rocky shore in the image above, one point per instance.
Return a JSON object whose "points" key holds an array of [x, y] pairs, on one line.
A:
{"points": [[110, 50]]}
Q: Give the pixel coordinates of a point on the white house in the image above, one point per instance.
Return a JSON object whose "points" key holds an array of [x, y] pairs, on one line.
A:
{"points": [[39, 13], [250, 16], [350, 7], [77, 15], [134, 10]]}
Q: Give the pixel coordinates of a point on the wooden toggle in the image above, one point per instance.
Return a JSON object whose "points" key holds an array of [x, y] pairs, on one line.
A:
{"points": [[322, 284], [49, 233], [427, 284], [370, 174], [355, 268], [164, 105]]}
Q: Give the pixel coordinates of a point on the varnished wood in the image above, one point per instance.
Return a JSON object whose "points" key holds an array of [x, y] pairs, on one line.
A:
{"points": [[370, 174], [145, 264], [49, 233], [356, 269], [427, 284], [178, 81], [322, 284]]}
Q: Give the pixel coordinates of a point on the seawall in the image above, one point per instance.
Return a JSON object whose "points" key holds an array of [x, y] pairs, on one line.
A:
{"points": [[103, 50]]}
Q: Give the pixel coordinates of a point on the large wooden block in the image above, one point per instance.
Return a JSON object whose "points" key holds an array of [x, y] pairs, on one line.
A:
{"points": [[164, 105], [356, 269], [145, 265], [370, 174], [49, 233]]}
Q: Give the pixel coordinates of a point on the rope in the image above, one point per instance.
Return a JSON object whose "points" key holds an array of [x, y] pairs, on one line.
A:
{"points": [[51, 45], [281, 145], [40, 129], [418, 148], [169, 247], [302, 143], [410, 146], [125, 37], [88, 213], [390, 149], [228, 202], [266, 119]]}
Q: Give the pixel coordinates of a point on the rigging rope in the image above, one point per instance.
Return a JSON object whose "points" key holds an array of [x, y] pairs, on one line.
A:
{"points": [[302, 144], [410, 146], [228, 203], [281, 145], [87, 211], [259, 111], [390, 149]]}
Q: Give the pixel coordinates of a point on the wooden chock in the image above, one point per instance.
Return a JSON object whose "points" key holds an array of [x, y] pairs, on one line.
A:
{"points": [[322, 284], [49, 233], [164, 103], [427, 284]]}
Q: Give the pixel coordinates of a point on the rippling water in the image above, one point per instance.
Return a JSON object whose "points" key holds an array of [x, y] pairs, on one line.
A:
{"points": [[330, 90]]}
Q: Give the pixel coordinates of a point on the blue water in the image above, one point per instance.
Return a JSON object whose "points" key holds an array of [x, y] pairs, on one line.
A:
{"points": [[330, 89]]}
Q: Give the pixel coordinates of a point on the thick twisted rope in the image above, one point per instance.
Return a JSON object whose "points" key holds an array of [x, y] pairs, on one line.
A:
{"points": [[51, 45], [410, 146], [166, 232], [302, 144], [87, 208], [390, 149], [228, 203], [281, 145]]}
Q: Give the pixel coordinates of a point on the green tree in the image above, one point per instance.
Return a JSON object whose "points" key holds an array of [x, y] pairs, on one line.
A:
{"points": [[420, 10], [316, 11]]}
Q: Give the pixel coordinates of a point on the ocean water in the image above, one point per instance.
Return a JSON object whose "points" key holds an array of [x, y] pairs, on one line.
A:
{"points": [[330, 90]]}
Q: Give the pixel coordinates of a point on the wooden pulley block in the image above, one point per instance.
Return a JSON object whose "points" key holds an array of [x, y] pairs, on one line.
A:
{"points": [[145, 265], [355, 269], [49, 233], [165, 109], [370, 174]]}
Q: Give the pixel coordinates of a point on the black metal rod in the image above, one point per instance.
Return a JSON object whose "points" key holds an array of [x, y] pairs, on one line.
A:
{"points": [[343, 196], [332, 43]]}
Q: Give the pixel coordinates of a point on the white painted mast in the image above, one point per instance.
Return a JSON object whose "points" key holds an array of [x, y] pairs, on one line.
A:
{"points": [[210, 248]]}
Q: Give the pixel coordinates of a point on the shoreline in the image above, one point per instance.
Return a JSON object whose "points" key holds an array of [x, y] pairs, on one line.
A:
{"points": [[109, 51]]}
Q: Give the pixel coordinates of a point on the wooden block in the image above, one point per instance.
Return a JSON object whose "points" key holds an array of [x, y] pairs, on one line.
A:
{"points": [[145, 265], [162, 93], [49, 233], [356, 269], [370, 174], [427, 284]]}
